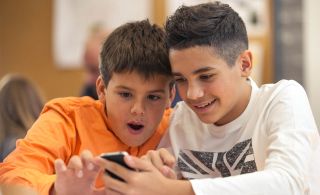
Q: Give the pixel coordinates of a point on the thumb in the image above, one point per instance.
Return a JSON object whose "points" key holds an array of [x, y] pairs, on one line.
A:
{"points": [[138, 164]]}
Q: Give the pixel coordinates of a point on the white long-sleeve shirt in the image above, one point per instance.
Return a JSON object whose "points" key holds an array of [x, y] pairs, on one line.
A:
{"points": [[272, 148]]}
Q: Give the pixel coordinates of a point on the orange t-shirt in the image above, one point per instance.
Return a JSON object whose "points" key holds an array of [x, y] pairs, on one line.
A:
{"points": [[65, 128]]}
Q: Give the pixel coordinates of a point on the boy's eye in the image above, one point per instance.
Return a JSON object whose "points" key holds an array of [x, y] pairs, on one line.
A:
{"points": [[125, 94], [153, 97], [205, 77], [179, 79]]}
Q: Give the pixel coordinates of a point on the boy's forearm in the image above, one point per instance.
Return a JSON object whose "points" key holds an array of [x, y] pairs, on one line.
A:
{"points": [[180, 187], [16, 190]]}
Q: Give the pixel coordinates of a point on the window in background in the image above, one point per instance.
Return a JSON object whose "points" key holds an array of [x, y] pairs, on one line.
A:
{"points": [[73, 20]]}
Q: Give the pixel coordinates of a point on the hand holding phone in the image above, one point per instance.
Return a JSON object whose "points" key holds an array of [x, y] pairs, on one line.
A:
{"points": [[117, 157]]}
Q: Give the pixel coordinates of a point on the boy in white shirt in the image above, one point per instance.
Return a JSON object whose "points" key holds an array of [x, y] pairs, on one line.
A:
{"points": [[228, 136]]}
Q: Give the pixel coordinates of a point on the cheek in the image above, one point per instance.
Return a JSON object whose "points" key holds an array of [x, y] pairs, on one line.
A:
{"points": [[155, 113], [114, 114], [116, 110]]}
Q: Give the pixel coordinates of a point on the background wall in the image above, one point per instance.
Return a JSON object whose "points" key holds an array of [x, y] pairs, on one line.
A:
{"points": [[311, 40], [26, 47], [288, 39]]}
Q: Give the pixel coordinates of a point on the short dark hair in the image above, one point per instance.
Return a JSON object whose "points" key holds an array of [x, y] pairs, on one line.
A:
{"points": [[135, 46], [215, 25]]}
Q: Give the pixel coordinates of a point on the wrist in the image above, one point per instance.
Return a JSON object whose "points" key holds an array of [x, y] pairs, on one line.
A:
{"points": [[180, 187]]}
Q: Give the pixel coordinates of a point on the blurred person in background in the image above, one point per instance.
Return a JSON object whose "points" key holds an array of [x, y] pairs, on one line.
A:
{"points": [[91, 59], [21, 104]]}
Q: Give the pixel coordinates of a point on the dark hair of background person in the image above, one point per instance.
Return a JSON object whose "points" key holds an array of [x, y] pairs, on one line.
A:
{"points": [[21, 104], [91, 53], [215, 25], [139, 47]]}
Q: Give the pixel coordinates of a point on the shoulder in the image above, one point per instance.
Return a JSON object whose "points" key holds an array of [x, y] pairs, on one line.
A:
{"points": [[285, 101], [70, 104], [282, 85], [167, 113], [289, 90]]}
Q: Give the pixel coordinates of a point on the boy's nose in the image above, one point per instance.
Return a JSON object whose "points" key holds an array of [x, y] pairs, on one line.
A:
{"points": [[137, 109], [194, 92]]}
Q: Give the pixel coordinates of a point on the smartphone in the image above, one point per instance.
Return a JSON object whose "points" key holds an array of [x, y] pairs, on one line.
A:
{"points": [[117, 157]]}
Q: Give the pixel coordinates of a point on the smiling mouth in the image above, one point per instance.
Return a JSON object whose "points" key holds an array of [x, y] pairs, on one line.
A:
{"points": [[205, 105]]}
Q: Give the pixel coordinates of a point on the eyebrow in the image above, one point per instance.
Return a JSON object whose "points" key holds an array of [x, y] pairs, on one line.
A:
{"points": [[198, 71], [151, 91]]}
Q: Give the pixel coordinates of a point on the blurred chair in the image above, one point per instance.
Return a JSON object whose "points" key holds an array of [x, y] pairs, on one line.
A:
{"points": [[21, 104]]}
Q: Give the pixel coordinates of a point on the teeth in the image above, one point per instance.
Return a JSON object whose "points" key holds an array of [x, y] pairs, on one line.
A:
{"points": [[204, 105]]}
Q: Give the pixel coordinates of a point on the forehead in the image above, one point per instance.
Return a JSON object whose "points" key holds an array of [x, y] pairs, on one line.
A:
{"points": [[138, 82], [194, 58]]}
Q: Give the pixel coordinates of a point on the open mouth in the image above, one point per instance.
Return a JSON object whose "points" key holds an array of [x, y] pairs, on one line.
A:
{"points": [[135, 127]]}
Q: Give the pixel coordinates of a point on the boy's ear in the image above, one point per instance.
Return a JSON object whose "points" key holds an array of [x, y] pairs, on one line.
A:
{"points": [[172, 94], [245, 61], [101, 89]]}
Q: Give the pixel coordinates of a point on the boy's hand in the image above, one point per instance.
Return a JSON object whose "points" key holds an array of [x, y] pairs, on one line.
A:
{"points": [[148, 180], [78, 177], [163, 160]]}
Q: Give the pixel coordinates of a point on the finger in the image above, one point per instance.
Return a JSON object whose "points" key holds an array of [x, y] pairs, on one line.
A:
{"points": [[88, 162], [145, 157], [86, 154], [111, 192], [155, 159], [167, 158], [114, 186], [59, 166], [138, 164], [168, 172], [115, 168], [75, 164]]}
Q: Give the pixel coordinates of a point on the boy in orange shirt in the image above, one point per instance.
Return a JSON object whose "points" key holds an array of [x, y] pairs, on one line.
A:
{"points": [[134, 89]]}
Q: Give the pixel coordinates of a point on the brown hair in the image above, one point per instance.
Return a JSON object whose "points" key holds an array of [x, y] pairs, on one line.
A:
{"points": [[21, 104], [136, 46]]}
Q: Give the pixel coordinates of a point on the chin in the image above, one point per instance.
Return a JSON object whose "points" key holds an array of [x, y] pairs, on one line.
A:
{"points": [[207, 119], [135, 143]]}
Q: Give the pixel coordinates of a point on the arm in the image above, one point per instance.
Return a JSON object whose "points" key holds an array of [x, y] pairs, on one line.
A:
{"points": [[145, 182], [16, 190]]}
